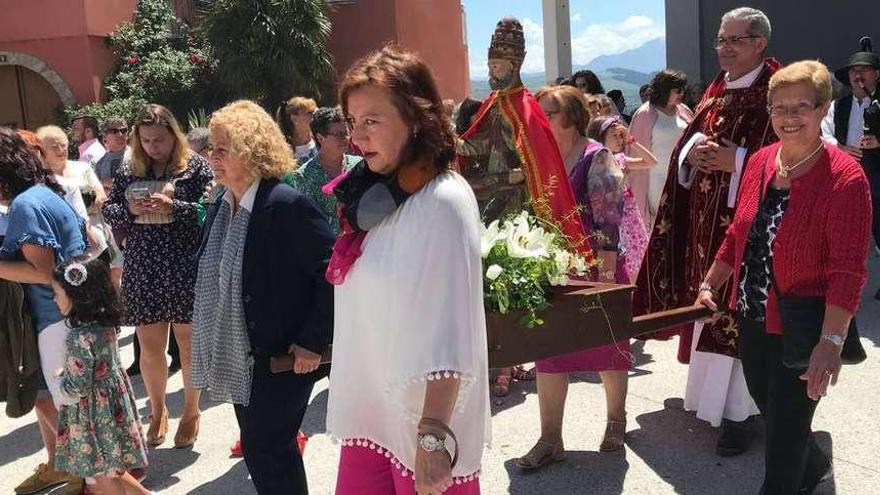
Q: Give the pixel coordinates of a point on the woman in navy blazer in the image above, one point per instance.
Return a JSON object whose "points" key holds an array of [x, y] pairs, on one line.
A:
{"points": [[261, 293]]}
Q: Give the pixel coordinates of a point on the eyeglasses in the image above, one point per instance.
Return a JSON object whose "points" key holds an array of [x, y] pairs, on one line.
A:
{"points": [[733, 40], [791, 110], [123, 130], [340, 135]]}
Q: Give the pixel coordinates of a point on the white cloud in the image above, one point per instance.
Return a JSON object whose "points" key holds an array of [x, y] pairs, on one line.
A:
{"points": [[592, 41], [576, 18], [610, 39]]}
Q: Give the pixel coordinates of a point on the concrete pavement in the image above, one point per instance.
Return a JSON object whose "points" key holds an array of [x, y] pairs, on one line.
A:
{"points": [[668, 450]]}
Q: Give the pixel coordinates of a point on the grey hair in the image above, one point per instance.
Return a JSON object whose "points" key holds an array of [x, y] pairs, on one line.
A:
{"points": [[198, 139], [759, 24]]}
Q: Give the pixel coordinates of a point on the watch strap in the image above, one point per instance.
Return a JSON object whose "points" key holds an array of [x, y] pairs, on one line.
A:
{"points": [[433, 423]]}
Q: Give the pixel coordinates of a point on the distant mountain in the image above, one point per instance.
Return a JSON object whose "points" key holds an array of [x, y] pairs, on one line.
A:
{"points": [[625, 71], [648, 58], [629, 76]]}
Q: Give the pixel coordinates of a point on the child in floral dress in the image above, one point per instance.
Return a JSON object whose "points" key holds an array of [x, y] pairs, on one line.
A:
{"points": [[629, 155], [99, 435]]}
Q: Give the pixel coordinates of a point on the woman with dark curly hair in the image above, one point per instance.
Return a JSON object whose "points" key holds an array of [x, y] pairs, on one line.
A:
{"points": [[421, 365], [42, 229]]}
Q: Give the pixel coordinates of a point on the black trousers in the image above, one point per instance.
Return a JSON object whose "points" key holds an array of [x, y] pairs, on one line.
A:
{"points": [[871, 165], [792, 459], [268, 430]]}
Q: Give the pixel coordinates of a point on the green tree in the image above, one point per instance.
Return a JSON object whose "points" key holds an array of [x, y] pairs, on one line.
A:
{"points": [[156, 61], [267, 50]]}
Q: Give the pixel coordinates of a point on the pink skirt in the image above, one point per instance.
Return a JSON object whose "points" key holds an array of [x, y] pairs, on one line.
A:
{"points": [[611, 357]]}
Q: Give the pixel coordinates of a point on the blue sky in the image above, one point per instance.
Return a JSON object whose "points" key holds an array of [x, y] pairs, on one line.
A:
{"points": [[598, 27]]}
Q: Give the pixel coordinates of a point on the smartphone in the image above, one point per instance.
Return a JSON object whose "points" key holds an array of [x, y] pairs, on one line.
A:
{"points": [[140, 192]]}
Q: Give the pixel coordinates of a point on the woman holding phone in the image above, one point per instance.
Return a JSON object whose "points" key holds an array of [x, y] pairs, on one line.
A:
{"points": [[154, 198]]}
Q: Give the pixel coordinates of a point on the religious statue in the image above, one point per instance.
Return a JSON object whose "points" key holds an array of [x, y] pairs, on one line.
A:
{"points": [[509, 155]]}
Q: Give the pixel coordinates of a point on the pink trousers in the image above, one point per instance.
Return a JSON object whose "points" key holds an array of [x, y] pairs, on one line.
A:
{"points": [[363, 471]]}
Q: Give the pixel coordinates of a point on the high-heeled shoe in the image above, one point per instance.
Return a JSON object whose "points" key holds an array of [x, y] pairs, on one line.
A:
{"points": [[187, 432], [158, 428]]}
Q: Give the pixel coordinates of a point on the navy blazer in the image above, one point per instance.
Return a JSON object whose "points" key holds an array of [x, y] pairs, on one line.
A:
{"points": [[287, 299]]}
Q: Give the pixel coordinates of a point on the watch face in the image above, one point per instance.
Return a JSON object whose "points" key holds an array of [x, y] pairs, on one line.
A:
{"points": [[431, 443]]}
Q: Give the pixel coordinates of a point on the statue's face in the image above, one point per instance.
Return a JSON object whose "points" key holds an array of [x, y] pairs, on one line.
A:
{"points": [[500, 73]]}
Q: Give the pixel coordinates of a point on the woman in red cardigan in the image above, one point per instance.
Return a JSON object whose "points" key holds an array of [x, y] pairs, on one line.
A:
{"points": [[810, 223]]}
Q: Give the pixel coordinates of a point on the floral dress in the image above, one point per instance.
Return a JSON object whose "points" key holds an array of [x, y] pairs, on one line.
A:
{"points": [[633, 235], [159, 269], [98, 428]]}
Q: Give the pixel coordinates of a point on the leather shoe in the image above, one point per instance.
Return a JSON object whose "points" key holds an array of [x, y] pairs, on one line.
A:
{"points": [[187, 432], [736, 436], [810, 487]]}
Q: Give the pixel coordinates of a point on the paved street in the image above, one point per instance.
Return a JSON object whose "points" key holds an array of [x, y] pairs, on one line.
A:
{"points": [[668, 449]]}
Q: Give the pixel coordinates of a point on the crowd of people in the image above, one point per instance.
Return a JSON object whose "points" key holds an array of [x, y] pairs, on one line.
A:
{"points": [[257, 242]]}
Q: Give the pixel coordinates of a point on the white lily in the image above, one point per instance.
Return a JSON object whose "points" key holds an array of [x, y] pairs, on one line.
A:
{"points": [[489, 236], [524, 242], [562, 259], [493, 272], [578, 264]]}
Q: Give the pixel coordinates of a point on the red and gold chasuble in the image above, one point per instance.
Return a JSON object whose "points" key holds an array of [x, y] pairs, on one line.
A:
{"points": [[509, 156], [691, 223]]}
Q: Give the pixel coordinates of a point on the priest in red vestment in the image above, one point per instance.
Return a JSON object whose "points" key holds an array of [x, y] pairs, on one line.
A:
{"points": [[696, 208]]}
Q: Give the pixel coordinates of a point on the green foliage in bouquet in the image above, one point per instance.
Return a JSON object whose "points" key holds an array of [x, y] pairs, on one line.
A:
{"points": [[523, 256]]}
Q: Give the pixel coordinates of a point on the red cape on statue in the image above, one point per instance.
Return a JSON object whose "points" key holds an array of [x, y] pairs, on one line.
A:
{"points": [[517, 115], [691, 222]]}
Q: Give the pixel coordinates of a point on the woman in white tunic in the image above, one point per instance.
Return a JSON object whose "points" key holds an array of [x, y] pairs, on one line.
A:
{"points": [[657, 125], [410, 372]]}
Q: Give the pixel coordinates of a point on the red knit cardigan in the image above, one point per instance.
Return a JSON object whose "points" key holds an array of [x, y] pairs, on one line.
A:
{"points": [[821, 247]]}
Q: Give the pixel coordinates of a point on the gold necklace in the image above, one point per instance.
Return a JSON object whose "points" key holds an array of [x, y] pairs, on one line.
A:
{"points": [[784, 170]]}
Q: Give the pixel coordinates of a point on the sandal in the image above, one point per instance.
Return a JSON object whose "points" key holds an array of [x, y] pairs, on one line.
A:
{"points": [[502, 386], [523, 375], [615, 434], [542, 454]]}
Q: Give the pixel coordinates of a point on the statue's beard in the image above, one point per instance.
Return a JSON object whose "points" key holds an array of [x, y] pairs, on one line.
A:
{"points": [[502, 82]]}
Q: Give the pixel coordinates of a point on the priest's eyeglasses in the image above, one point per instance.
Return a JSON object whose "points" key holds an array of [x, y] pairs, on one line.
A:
{"points": [[797, 110], [733, 40]]}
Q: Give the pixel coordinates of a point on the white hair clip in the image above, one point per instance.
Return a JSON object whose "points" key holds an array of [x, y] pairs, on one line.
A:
{"points": [[75, 274]]}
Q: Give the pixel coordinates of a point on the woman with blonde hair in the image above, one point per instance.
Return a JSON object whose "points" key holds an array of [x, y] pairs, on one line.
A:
{"points": [[154, 199], [295, 118], [796, 256], [261, 294]]}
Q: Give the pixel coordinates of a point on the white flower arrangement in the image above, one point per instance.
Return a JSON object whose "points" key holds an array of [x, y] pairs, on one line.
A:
{"points": [[522, 257]]}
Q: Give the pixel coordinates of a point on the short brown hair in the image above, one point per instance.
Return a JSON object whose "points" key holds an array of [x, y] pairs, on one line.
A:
{"points": [[663, 83], [412, 89], [572, 105], [300, 104], [113, 123], [810, 72], [153, 114]]}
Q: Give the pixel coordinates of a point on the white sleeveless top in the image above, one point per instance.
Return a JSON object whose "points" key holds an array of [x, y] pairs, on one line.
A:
{"points": [[412, 306], [667, 131]]}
